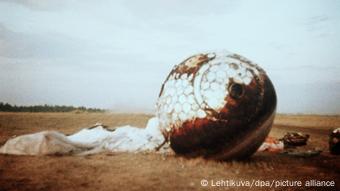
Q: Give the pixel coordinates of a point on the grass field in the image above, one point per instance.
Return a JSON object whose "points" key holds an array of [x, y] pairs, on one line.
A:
{"points": [[150, 171]]}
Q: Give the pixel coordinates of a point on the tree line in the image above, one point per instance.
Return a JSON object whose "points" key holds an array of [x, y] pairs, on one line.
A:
{"points": [[6, 107]]}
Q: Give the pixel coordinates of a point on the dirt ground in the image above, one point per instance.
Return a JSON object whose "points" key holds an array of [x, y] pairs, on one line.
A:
{"points": [[150, 171]]}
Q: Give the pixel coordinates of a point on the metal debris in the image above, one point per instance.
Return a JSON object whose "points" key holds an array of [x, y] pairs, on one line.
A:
{"points": [[334, 142], [302, 153], [293, 139]]}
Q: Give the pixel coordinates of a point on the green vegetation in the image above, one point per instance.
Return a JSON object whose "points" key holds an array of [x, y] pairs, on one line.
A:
{"points": [[6, 107]]}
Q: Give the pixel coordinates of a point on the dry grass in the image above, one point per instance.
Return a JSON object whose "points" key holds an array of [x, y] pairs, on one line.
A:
{"points": [[148, 171], [310, 121]]}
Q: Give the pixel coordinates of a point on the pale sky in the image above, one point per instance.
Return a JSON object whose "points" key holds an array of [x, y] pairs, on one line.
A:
{"points": [[116, 54]]}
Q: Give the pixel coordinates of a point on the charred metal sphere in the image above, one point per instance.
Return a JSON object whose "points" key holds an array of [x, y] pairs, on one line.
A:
{"points": [[334, 142], [217, 105]]}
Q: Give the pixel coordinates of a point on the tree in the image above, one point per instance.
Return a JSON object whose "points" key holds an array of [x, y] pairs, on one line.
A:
{"points": [[6, 107]]}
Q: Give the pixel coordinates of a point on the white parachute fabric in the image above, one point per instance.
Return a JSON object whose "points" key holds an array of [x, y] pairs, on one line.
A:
{"points": [[42, 143], [88, 141]]}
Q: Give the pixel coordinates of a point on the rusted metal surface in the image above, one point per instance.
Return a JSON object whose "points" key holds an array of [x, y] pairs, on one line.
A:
{"points": [[216, 105], [334, 142], [293, 139]]}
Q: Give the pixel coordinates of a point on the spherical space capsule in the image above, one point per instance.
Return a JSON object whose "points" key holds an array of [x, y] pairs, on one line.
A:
{"points": [[217, 105]]}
